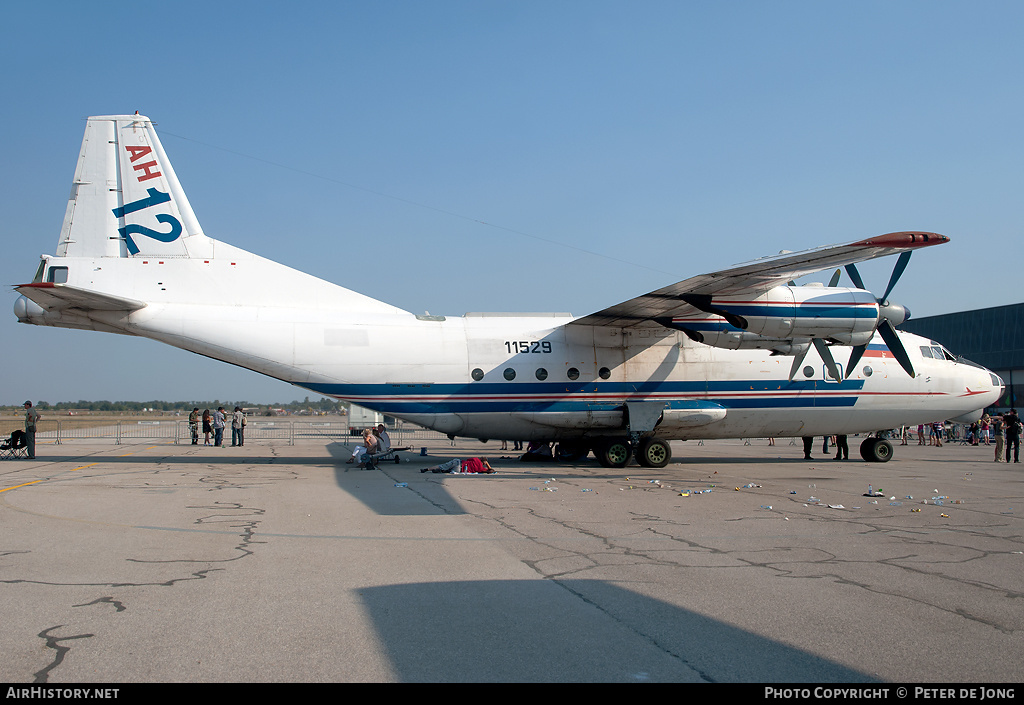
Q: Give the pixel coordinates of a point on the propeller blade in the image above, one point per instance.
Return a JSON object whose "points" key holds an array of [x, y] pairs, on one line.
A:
{"points": [[826, 356], [855, 276], [897, 272], [855, 356], [835, 277], [892, 340], [798, 360]]}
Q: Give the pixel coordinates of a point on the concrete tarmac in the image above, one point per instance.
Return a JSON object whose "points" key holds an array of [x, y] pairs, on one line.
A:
{"points": [[278, 563]]}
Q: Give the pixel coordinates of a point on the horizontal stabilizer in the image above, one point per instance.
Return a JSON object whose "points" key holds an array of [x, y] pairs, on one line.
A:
{"points": [[61, 296]]}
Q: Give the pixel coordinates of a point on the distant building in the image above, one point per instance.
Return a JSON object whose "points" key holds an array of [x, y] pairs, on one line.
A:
{"points": [[992, 337]]}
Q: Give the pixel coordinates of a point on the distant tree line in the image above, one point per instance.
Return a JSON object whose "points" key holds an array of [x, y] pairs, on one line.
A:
{"points": [[325, 405]]}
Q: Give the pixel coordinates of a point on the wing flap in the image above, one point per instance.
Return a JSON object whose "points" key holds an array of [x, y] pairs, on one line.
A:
{"points": [[756, 277]]}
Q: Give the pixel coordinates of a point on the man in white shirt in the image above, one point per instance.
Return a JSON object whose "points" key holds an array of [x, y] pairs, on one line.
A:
{"points": [[385, 439], [31, 419]]}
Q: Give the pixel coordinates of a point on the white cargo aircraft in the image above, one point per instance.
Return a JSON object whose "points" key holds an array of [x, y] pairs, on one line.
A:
{"points": [[738, 353]]}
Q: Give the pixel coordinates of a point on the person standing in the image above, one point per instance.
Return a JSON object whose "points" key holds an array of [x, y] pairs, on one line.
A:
{"points": [[808, 443], [1011, 429], [207, 426], [31, 421], [193, 425], [997, 432], [842, 448], [238, 427], [218, 426]]}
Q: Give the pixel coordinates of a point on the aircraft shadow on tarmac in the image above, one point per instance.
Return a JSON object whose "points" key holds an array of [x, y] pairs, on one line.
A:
{"points": [[573, 630]]}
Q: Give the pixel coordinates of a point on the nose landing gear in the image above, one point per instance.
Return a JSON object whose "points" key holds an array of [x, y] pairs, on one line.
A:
{"points": [[876, 450]]}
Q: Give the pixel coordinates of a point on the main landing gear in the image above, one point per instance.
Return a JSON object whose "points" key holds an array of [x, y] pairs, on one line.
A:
{"points": [[616, 452]]}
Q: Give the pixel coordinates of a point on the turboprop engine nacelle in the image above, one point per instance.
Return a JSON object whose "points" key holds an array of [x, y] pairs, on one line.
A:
{"points": [[782, 319]]}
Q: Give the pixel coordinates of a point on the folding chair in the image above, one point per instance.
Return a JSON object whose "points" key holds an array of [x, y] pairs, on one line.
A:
{"points": [[14, 447]]}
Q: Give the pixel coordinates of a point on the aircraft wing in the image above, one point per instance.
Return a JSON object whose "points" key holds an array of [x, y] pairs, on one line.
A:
{"points": [[61, 296], [754, 278]]}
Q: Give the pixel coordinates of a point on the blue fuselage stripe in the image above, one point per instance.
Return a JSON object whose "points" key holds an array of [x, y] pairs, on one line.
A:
{"points": [[604, 396]]}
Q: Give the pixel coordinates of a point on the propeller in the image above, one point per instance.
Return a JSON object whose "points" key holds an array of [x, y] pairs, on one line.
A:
{"points": [[889, 316], [819, 344]]}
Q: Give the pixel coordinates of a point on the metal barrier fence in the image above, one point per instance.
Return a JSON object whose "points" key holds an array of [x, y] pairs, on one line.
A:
{"points": [[291, 431], [177, 431]]}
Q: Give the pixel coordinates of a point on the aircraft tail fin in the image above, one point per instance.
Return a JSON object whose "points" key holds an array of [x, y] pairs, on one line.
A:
{"points": [[126, 200]]}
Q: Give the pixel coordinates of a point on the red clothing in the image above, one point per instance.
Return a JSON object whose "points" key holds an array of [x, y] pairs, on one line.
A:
{"points": [[474, 465]]}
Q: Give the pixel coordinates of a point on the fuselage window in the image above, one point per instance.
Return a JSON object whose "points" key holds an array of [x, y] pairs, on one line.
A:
{"points": [[868, 371], [573, 373], [509, 374], [808, 371], [604, 373], [58, 275], [542, 373], [478, 374]]}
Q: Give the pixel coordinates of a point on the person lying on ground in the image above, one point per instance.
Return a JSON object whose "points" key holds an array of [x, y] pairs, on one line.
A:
{"points": [[468, 466]]}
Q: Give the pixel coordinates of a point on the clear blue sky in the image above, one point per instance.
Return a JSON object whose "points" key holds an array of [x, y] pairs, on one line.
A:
{"points": [[518, 156]]}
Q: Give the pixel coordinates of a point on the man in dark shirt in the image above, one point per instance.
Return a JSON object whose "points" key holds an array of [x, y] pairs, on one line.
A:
{"points": [[1011, 427]]}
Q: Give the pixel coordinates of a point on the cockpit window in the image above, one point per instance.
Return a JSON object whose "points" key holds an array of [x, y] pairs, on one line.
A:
{"points": [[57, 275], [936, 352]]}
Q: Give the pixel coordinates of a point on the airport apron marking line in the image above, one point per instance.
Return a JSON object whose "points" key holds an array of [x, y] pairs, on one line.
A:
{"points": [[44, 479], [80, 467]]}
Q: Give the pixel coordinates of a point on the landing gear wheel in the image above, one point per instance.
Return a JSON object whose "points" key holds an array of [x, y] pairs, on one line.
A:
{"points": [[876, 450], [654, 453], [613, 453]]}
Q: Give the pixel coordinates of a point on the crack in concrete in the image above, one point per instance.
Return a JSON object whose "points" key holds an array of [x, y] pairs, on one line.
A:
{"points": [[235, 515], [60, 651], [558, 552]]}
